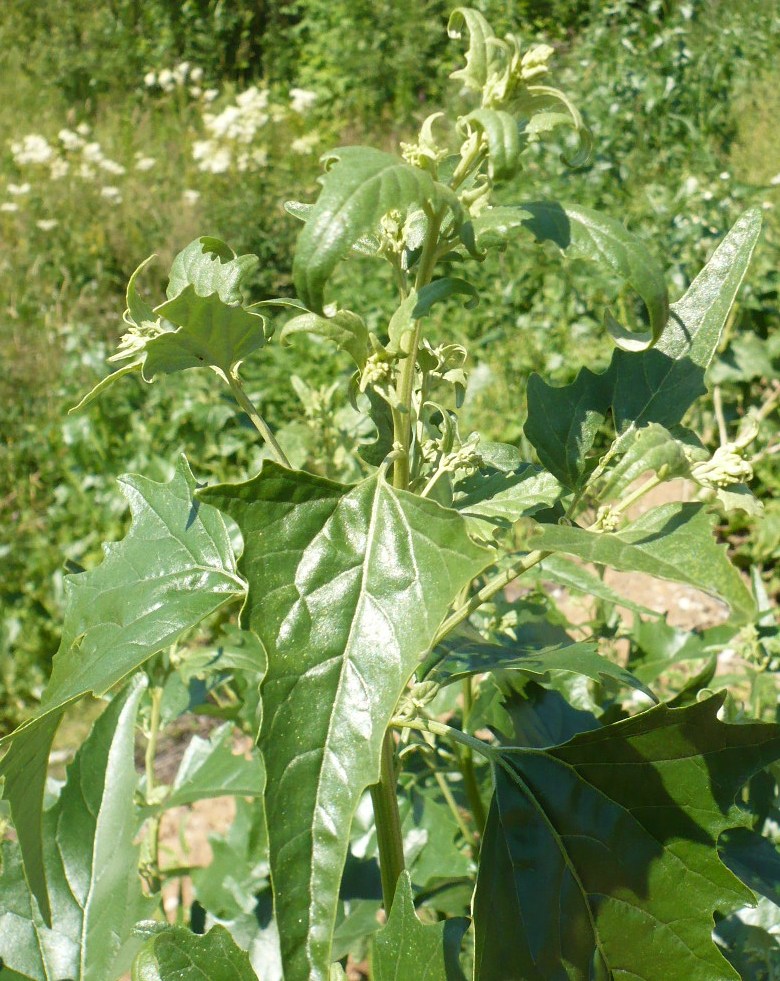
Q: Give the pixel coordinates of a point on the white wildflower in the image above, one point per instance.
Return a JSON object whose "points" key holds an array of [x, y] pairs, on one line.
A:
{"points": [[47, 224], [190, 196], [70, 140], [112, 194], [305, 144], [196, 91], [92, 152], [17, 189], [150, 79], [725, 175], [58, 168], [9, 206], [83, 129], [31, 149], [301, 100], [210, 95], [166, 80], [86, 172], [181, 71], [774, 181], [144, 163], [211, 157], [111, 167], [196, 75]]}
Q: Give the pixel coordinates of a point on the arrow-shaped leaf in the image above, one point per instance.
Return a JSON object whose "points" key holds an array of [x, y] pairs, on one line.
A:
{"points": [[338, 598], [174, 567], [176, 954], [599, 858]]}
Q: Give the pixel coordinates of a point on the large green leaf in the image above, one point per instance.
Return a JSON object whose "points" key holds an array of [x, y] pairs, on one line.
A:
{"points": [[174, 567], [658, 385], [502, 133], [347, 587], [176, 954], [599, 859], [404, 948], [210, 768], [361, 186], [91, 865], [674, 541], [345, 329], [575, 576], [583, 234]]}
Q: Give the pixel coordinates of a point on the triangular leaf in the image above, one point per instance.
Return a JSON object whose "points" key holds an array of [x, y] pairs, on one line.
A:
{"points": [[501, 497], [361, 186], [674, 541], [624, 821], [336, 596], [174, 567], [405, 948]]}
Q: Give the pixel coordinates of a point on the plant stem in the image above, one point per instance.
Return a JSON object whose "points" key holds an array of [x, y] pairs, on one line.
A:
{"points": [[488, 591], [149, 757], [466, 764], [441, 729], [403, 433], [444, 787], [237, 388], [388, 823]]}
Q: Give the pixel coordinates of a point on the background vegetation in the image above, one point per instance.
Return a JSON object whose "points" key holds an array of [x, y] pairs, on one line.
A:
{"points": [[128, 123]]}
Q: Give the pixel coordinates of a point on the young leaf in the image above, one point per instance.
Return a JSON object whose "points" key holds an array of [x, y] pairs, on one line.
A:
{"points": [[211, 332], [493, 226], [505, 497], [91, 864], [583, 234], [479, 54], [174, 567], [574, 576], [650, 448], [674, 541], [347, 587], [345, 329], [361, 186], [624, 821], [210, 768], [210, 266], [404, 948], [505, 143], [176, 954]]}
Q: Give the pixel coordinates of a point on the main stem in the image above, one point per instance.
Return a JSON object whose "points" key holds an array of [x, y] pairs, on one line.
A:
{"points": [[388, 823]]}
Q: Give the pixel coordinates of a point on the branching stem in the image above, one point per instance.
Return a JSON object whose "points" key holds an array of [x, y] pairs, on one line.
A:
{"points": [[237, 388]]}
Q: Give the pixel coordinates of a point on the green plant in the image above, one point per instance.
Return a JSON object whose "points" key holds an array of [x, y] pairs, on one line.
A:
{"points": [[377, 656]]}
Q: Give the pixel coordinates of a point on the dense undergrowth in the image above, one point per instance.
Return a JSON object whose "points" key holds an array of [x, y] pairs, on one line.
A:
{"points": [[679, 97]]}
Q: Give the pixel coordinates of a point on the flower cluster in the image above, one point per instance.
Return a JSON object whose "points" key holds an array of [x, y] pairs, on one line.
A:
{"points": [[232, 140], [182, 77]]}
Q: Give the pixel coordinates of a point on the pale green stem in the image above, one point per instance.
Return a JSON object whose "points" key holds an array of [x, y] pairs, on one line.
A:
{"points": [[388, 823], [440, 729], [632, 498], [149, 758], [403, 434], [466, 762], [237, 388], [444, 787], [488, 591]]}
